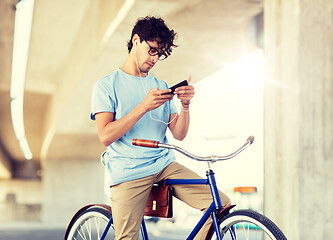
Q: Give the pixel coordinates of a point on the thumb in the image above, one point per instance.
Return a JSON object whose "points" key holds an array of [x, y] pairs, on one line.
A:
{"points": [[189, 78]]}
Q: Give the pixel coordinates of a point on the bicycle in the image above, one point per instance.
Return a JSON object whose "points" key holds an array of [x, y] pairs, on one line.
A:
{"points": [[95, 221]]}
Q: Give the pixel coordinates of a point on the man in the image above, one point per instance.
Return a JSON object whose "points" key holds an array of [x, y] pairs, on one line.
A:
{"points": [[130, 103]]}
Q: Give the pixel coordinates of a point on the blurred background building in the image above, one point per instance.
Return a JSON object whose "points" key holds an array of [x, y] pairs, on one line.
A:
{"points": [[262, 68]]}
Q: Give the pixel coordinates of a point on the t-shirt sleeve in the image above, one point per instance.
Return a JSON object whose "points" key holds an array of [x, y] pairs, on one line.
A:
{"points": [[102, 99]]}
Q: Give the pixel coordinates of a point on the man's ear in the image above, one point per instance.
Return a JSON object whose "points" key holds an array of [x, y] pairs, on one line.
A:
{"points": [[135, 39]]}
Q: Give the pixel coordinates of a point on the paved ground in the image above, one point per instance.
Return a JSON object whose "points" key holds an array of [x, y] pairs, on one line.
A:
{"points": [[33, 234], [30, 231], [39, 232]]}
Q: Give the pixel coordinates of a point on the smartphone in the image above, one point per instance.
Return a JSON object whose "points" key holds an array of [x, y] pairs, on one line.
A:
{"points": [[183, 83]]}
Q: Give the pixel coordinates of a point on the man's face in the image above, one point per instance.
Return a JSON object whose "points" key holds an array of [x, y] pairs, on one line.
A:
{"points": [[147, 54]]}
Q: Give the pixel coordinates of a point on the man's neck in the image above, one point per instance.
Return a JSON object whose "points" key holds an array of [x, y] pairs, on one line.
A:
{"points": [[130, 67]]}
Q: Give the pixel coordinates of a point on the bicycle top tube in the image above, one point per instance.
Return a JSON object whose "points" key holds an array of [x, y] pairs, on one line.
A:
{"points": [[202, 181], [212, 158]]}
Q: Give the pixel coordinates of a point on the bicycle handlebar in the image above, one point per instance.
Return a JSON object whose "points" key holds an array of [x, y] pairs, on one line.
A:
{"points": [[145, 143], [213, 158]]}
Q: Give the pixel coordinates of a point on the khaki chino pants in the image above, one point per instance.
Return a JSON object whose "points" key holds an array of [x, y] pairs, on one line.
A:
{"points": [[128, 199]]}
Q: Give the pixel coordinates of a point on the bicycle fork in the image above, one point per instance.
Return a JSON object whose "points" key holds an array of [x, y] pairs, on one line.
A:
{"points": [[213, 209], [216, 200]]}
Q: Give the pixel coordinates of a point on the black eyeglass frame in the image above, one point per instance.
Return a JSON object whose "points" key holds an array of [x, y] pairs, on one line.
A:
{"points": [[161, 56]]}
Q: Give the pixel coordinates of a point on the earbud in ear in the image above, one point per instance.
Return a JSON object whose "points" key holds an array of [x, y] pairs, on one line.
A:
{"points": [[136, 42]]}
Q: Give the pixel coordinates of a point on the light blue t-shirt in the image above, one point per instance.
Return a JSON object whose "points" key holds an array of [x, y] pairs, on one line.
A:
{"points": [[120, 93]]}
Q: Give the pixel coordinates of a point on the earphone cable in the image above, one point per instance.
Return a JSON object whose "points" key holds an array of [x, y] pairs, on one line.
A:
{"points": [[145, 90]]}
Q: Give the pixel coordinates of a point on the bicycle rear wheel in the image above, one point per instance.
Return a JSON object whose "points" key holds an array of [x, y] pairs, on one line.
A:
{"points": [[248, 225], [90, 224]]}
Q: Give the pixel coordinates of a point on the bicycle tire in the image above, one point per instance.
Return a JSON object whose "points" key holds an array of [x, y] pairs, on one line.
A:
{"points": [[247, 224], [90, 224]]}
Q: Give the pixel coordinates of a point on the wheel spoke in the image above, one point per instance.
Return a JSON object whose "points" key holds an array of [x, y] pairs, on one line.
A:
{"points": [[232, 231], [83, 236], [90, 225], [246, 231], [97, 227]]}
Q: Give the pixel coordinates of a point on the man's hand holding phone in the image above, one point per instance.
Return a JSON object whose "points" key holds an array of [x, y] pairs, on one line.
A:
{"points": [[156, 98], [185, 93]]}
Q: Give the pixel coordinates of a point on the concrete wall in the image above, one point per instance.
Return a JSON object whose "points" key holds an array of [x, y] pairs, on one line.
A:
{"points": [[299, 117], [20, 200], [68, 185]]}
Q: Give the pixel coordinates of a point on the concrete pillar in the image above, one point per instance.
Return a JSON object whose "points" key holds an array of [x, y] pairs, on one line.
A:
{"points": [[69, 184], [298, 117]]}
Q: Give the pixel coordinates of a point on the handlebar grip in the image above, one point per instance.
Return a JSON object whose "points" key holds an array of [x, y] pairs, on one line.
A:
{"points": [[250, 139], [145, 143]]}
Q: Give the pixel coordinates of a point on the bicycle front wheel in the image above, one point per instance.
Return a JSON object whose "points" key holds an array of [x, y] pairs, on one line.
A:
{"points": [[248, 225], [90, 224]]}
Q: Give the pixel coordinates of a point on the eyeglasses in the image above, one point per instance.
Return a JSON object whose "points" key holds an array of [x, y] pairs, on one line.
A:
{"points": [[154, 51]]}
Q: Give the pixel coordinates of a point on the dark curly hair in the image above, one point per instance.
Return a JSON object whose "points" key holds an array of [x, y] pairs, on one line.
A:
{"points": [[154, 29]]}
